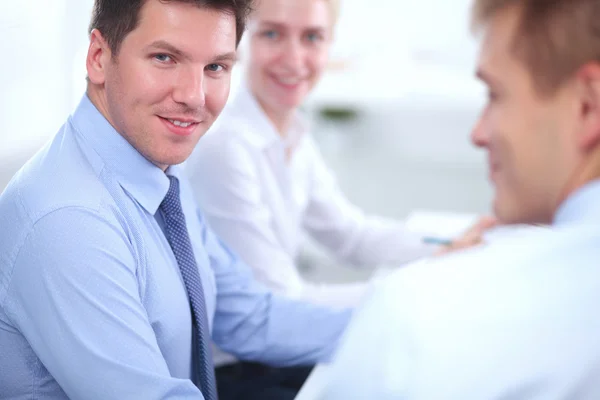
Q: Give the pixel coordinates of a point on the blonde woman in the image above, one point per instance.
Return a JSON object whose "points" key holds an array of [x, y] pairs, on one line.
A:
{"points": [[259, 176], [261, 180]]}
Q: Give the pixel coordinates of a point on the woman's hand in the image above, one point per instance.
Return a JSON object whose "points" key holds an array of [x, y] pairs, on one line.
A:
{"points": [[472, 237]]}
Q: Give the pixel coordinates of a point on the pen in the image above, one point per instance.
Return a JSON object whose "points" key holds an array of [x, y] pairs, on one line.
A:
{"points": [[436, 240]]}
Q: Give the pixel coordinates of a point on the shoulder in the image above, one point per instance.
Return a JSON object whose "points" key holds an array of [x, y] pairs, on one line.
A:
{"points": [[57, 197], [58, 176], [65, 241], [461, 266], [53, 197], [462, 283]]}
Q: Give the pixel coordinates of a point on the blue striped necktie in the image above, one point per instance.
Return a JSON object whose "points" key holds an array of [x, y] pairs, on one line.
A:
{"points": [[179, 239]]}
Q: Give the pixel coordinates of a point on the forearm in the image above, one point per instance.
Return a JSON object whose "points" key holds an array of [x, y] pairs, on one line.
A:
{"points": [[334, 295], [280, 331], [299, 333], [378, 241]]}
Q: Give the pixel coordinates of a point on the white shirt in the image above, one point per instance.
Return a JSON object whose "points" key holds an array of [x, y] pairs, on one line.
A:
{"points": [[262, 205], [518, 319]]}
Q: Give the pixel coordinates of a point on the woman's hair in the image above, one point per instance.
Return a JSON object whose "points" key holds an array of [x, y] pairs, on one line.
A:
{"points": [[334, 7]]}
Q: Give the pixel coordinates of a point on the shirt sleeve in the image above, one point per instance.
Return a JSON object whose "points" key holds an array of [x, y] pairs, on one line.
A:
{"points": [[254, 324], [76, 273], [224, 179], [350, 234]]}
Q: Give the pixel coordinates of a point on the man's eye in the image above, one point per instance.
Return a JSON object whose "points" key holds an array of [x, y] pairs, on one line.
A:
{"points": [[163, 58], [314, 37], [270, 34], [215, 67]]}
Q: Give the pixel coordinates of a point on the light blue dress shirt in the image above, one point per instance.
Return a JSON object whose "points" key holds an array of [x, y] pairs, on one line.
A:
{"points": [[92, 303], [518, 319]]}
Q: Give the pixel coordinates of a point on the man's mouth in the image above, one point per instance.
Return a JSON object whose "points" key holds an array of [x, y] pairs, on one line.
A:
{"points": [[180, 123]]}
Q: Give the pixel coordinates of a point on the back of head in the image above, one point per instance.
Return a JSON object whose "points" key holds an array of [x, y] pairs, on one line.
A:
{"points": [[554, 38], [541, 127]]}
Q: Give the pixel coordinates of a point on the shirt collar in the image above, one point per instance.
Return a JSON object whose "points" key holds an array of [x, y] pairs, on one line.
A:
{"points": [[144, 181], [583, 205], [262, 133]]}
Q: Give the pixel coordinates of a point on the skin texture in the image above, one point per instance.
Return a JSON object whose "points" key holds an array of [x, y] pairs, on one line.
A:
{"points": [[176, 65], [540, 148], [289, 50]]}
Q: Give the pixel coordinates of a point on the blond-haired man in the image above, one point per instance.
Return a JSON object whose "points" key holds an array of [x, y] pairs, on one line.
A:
{"points": [[517, 319]]}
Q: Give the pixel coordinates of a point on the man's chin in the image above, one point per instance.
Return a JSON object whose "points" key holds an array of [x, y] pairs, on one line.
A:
{"points": [[165, 161], [176, 160]]}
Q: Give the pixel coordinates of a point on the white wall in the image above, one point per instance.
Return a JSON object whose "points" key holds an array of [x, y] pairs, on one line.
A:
{"points": [[410, 69], [40, 41], [394, 29]]}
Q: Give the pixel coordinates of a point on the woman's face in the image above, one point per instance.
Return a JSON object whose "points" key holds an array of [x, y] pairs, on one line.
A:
{"points": [[289, 46]]}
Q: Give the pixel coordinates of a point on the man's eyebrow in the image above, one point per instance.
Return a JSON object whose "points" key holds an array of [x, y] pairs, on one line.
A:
{"points": [[163, 45], [272, 24], [280, 26], [231, 57], [168, 47]]}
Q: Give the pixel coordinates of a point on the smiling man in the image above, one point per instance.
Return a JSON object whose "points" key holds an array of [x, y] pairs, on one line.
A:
{"points": [[517, 319], [111, 284]]}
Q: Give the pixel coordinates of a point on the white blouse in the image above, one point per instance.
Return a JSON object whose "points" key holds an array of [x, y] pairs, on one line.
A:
{"points": [[261, 205]]}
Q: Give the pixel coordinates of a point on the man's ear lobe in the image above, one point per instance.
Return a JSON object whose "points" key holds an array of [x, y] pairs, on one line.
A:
{"points": [[98, 56], [589, 76]]}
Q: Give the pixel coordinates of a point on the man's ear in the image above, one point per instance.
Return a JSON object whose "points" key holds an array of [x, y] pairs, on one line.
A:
{"points": [[589, 79], [98, 57]]}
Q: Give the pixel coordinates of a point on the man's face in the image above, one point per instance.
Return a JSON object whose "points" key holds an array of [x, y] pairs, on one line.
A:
{"points": [[528, 137], [289, 47], [169, 80]]}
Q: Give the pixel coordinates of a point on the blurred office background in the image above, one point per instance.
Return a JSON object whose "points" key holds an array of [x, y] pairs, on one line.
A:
{"points": [[393, 116]]}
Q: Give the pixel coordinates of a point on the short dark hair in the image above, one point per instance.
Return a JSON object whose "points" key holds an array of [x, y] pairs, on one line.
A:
{"points": [[115, 19]]}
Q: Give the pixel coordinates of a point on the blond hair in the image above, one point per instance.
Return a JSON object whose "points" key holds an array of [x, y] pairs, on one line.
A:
{"points": [[334, 7], [554, 38]]}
